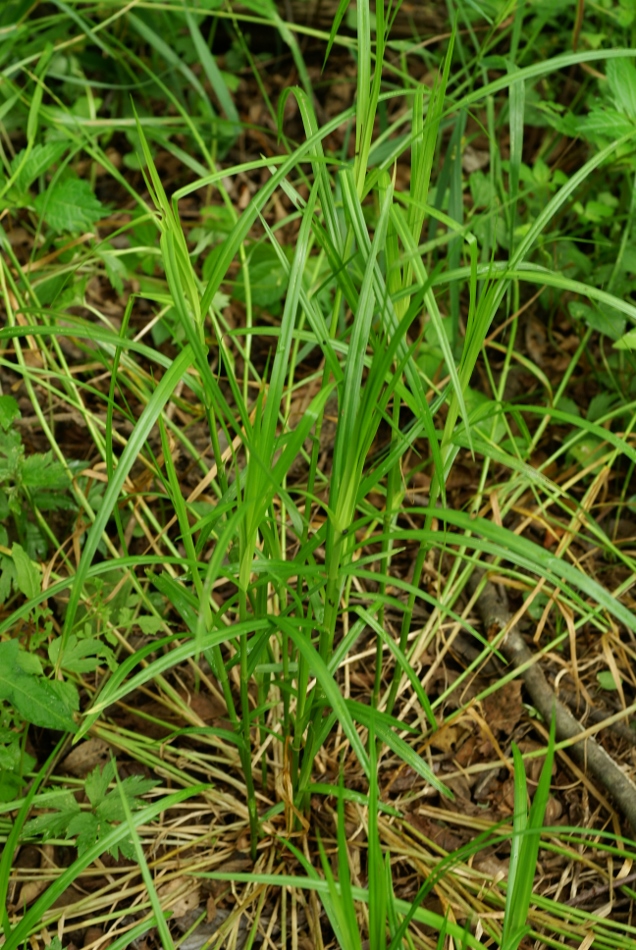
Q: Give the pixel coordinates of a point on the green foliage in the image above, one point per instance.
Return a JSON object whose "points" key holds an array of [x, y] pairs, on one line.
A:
{"points": [[606, 680], [26, 482], [616, 115], [9, 412], [390, 297], [600, 317], [69, 206], [527, 825], [89, 826], [15, 761], [267, 279], [38, 700], [80, 655], [17, 571], [29, 164]]}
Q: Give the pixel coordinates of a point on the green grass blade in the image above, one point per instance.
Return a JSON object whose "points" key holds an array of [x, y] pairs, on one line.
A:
{"points": [[328, 686], [32, 919], [149, 416], [211, 69], [378, 898], [10, 847], [403, 663], [129, 823], [525, 845]]}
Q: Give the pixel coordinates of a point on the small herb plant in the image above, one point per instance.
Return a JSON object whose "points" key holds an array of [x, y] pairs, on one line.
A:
{"points": [[31, 486], [87, 826]]}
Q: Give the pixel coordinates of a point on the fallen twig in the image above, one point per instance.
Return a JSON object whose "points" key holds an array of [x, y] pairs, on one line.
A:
{"points": [[586, 897], [585, 711], [588, 753]]}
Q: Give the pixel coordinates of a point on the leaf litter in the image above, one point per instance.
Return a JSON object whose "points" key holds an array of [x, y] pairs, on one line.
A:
{"points": [[470, 754]]}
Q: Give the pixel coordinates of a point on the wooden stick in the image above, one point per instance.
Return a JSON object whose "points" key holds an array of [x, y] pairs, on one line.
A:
{"points": [[591, 756]]}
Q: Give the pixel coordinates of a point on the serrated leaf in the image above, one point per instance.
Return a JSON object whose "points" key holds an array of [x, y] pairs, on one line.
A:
{"points": [[52, 501], [36, 546], [112, 809], [39, 160], [54, 824], [621, 76], [69, 206], [149, 625], [85, 828], [600, 317], [267, 277], [107, 808], [268, 284], [80, 656], [604, 123], [9, 411], [40, 471], [114, 265], [10, 754], [29, 663], [27, 574], [42, 702], [11, 449], [96, 784], [127, 848]]}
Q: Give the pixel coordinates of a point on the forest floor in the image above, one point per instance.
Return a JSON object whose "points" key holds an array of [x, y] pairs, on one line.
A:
{"points": [[317, 499]]}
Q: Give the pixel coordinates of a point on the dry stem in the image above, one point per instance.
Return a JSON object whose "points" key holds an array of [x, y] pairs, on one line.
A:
{"points": [[591, 756]]}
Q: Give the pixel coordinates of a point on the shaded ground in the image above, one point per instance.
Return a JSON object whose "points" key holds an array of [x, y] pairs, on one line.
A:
{"points": [[471, 751]]}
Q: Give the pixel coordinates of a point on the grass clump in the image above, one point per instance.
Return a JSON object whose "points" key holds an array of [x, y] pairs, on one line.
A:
{"points": [[287, 364]]}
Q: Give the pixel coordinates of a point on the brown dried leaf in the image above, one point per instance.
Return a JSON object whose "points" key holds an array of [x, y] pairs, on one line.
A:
{"points": [[504, 709], [181, 895], [85, 757], [445, 739], [491, 865], [31, 890]]}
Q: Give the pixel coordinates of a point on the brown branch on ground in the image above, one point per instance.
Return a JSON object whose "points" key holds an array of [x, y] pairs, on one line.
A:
{"points": [[586, 897], [584, 711], [591, 756]]}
